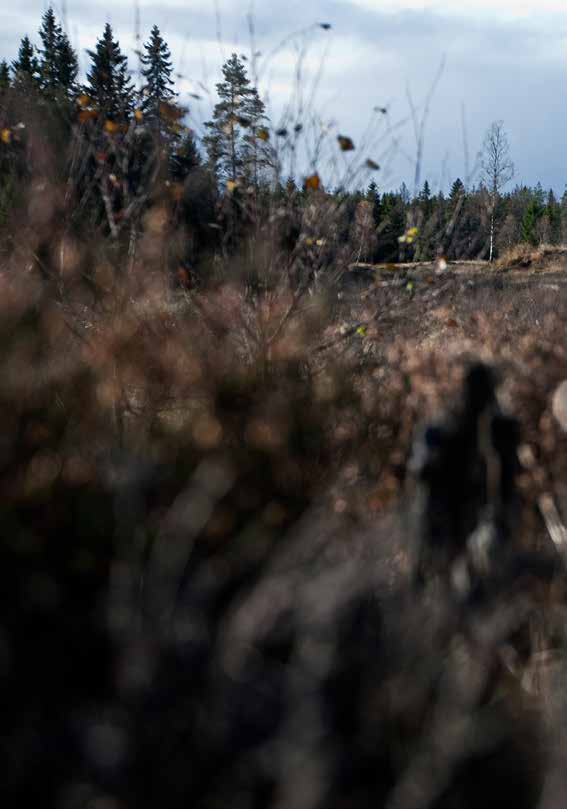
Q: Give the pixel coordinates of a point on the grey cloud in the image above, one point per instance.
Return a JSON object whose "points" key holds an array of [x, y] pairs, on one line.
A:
{"points": [[502, 70]]}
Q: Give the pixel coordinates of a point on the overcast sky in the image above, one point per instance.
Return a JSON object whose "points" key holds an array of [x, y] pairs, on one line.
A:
{"points": [[503, 59]]}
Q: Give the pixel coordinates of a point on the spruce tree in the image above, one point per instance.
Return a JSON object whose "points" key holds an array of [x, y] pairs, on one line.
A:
{"points": [[108, 82], [425, 202], [563, 214], [373, 196], [456, 195], [529, 228], [4, 75], [67, 67], [391, 227], [455, 226], [184, 157], [237, 143], [49, 34], [405, 195], [26, 67], [157, 90], [553, 217]]}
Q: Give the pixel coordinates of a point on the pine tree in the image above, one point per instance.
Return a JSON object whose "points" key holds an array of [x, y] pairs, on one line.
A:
{"points": [[108, 82], [237, 144], [257, 152], [26, 67], [157, 89]]}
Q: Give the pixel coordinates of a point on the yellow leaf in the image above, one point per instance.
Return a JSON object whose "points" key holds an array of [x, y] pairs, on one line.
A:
{"points": [[345, 143], [263, 134], [6, 136], [361, 331], [409, 236], [313, 183]]}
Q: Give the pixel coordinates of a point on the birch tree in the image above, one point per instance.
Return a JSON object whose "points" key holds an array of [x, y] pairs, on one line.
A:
{"points": [[497, 170]]}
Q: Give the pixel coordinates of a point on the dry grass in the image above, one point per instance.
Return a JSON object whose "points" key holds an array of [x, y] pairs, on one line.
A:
{"points": [[524, 255], [203, 565]]}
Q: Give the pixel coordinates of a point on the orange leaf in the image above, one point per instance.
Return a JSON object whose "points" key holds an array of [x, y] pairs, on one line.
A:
{"points": [[87, 115], [111, 127], [84, 100], [263, 134], [371, 164], [139, 116], [313, 183]]}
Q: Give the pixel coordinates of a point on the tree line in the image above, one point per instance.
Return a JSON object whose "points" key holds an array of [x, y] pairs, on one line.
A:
{"points": [[126, 146], [466, 223]]}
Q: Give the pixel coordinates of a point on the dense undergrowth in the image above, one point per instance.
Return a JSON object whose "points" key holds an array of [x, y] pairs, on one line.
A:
{"points": [[206, 478]]}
